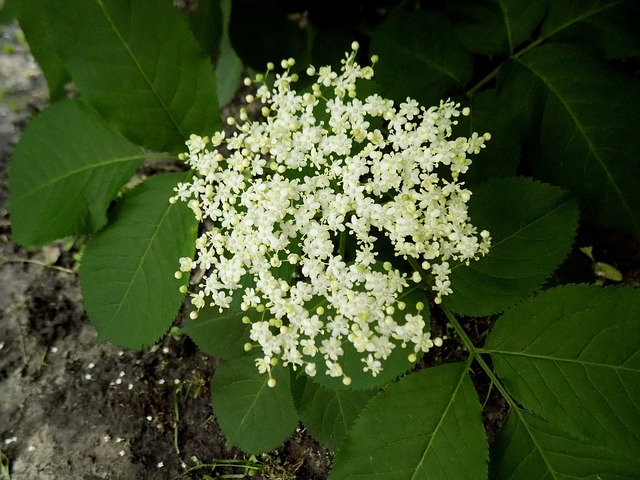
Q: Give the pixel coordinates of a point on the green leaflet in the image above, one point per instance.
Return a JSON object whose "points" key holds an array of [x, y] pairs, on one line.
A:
{"points": [[532, 228], [570, 356], [328, 414], [501, 156], [229, 66], [10, 10], [492, 27], [422, 46], [127, 271], [531, 449], [219, 334], [206, 24], [261, 32], [251, 414], [606, 26], [427, 425], [39, 33], [139, 66], [222, 334], [589, 135], [65, 170]]}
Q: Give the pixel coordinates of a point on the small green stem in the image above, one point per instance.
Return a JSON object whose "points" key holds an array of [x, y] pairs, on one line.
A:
{"points": [[459, 330], [342, 248], [176, 412], [475, 353], [494, 73], [471, 92], [4, 259]]}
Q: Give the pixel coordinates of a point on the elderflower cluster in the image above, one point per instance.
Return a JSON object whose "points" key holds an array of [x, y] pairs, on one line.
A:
{"points": [[283, 197]]}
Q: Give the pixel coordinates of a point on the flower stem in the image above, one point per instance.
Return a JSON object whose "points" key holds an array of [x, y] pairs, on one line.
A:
{"points": [[342, 248], [475, 354]]}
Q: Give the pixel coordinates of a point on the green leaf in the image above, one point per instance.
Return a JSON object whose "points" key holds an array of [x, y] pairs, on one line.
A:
{"points": [[251, 414], [9, 11], [532, 227], [589, 135], [492, 27], [261, 32], [39, 33], [570, 356], [427, 425], [229, 67], [609, 27], [139, 66], [328, 413], [501, 156], [222, 334], [206, 24], [127, 271], [531, 449], [66, 169], [421, 45]]}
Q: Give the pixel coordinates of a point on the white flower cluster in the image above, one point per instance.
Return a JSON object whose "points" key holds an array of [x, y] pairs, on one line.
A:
{"points": [[285, 194]]}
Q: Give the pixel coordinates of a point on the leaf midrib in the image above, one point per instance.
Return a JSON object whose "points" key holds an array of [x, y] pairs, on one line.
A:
{"points": [[454, 394], [580, 18], [51, 182], [559, 360]]}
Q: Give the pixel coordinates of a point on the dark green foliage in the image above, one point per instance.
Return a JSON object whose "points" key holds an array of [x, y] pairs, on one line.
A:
{"points": [[555, 82]]}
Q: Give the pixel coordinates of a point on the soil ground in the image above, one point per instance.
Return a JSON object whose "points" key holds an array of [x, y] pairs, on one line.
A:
{"points": [[73, 409]]}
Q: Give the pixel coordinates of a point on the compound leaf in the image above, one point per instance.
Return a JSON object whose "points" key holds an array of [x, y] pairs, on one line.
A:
{"points": [[421, 45], [531, 449], [152, 83], [66, 169], [570, 356], [532, 227], [427, 425], [251, 414], [127, 271]]}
